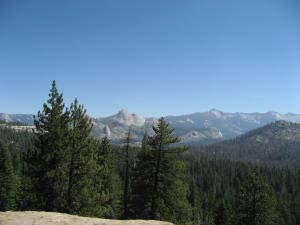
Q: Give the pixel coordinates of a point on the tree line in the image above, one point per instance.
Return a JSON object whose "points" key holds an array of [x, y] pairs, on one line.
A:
{"points": [[61, 167]]}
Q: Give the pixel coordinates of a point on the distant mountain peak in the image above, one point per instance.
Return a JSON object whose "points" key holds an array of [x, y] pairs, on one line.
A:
{"points": [[123, 112], [128, 119], [215, 112]]}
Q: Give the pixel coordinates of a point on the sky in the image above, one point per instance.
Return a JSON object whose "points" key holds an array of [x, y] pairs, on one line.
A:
{"points": [[153, 58]]}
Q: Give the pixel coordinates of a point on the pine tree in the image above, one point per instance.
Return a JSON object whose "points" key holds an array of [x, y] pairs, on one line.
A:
{"points": [[8, 181], [255, 202], [81, 165], [49, 161], [164, 194], [106, 183], [141, 182], [126, 175]]}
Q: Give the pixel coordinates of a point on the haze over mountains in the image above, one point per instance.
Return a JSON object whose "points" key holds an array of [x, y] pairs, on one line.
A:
{"points": [[201, 127]]}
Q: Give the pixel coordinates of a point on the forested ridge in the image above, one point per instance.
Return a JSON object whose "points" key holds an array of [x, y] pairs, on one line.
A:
{"points": [[61, 167], [276, 144]]}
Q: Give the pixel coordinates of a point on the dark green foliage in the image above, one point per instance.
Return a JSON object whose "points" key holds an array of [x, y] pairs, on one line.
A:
{"points": [[223, 214], [141, 183], [19, 144], [195, 201], [126, 176], [9, 182], [106, 183], [255, 202], [160, 178], [50, 159], [81, 165], [219, 179], [69, 170]]}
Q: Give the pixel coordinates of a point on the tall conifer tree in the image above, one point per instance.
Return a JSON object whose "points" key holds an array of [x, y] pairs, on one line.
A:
{"points": [[162, 177], [81, 161], [141, 182], [126, 175], [49, 162], [106, 183]]}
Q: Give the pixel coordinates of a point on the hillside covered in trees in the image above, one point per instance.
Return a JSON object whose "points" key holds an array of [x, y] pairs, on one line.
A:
{"points": [[61, 167], [277, 143]]}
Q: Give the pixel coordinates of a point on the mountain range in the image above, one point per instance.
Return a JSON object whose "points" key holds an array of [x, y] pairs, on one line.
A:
{"points": [[196, 128]]}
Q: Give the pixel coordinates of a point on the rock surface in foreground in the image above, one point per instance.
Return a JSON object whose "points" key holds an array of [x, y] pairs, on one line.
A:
{"points": [[48, 218]]}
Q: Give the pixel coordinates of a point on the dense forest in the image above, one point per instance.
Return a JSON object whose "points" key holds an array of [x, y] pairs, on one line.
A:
{"points": [[61, 167], [275, 144]]}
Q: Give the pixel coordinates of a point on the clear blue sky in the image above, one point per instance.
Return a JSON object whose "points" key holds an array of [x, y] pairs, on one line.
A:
{"points": [[153, 58]]}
